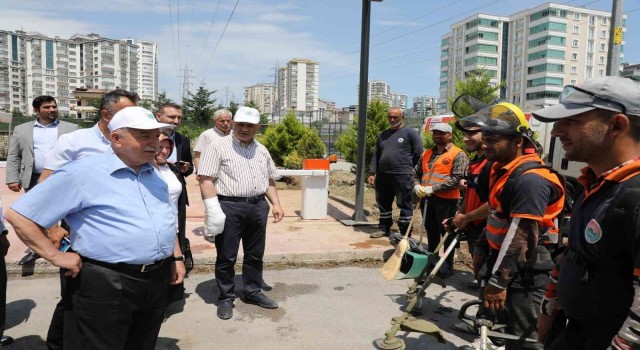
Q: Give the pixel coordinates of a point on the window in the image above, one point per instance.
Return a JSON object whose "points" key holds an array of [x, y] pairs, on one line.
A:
{"points": [[576, 29], [546, 53], [543, 94], [552, 26], [574, 43], [545, 81], [592, 20], [601, 72], [589, 73], [602, 60], [603, 34], [576, 15], [574, 56], [604, 21], [546, 67], [573, 82], [603, 47], [574, 69], [590, 46], [549, 39], [592, 33]]}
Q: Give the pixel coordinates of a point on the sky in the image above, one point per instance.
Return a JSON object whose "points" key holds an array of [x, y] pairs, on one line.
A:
{"points": [[225, 45]]}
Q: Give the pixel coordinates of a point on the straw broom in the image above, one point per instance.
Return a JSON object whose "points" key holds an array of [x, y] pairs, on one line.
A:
{"points": [[392, 266]]}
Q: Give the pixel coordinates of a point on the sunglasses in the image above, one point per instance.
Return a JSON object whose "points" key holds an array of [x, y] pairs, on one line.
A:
{"points": [[570, 90], [471, 132]]}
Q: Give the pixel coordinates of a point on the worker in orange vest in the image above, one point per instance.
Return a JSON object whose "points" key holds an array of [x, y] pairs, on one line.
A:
{"points": [[438, 175], [525, 197]]}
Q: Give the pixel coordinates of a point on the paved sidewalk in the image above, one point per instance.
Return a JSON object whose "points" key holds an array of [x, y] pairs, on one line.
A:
{"points": [[292, 241]]}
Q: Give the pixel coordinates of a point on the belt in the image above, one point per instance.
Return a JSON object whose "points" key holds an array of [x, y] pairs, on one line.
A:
{"points": [[251, 200], [127, 268]]}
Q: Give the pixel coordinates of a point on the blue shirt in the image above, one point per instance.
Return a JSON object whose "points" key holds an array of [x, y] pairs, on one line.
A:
{"points": [[44, 136], [115, 215], [76, 145]]}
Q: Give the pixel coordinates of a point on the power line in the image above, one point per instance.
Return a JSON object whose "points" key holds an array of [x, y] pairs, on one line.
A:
{"points": [[173, 41], [220, 38], [179, 48], [206, 39]]}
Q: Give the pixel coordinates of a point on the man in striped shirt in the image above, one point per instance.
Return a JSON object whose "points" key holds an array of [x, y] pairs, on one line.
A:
{"points": [[236, 176]]}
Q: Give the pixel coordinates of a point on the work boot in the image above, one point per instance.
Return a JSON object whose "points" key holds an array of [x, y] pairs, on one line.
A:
{"points": [[261, 300], [385, 231], [225, 309]]}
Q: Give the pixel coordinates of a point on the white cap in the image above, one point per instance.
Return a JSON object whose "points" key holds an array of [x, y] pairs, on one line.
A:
{"points": [[444, 127], [136, 118], [247, 115]]}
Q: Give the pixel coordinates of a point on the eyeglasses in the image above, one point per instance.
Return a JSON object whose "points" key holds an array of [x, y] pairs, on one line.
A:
{"points": [[569, 90]]}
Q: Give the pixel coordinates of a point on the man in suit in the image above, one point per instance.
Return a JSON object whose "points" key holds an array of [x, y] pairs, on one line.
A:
{"points": [[171, 113], [31, 141]]}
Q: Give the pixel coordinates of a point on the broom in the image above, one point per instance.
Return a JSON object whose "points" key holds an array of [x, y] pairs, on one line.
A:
{"points": [[392, 266]]}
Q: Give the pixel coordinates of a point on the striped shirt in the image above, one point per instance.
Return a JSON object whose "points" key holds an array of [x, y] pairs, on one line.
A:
{"points": [[239, 170], [206, 138]]}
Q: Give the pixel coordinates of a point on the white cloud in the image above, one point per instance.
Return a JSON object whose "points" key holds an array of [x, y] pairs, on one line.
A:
{"points": [[46, 23]]}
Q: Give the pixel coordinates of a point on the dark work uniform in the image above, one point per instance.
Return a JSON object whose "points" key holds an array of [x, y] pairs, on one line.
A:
{"points": [[597, 273], [395, 155]]}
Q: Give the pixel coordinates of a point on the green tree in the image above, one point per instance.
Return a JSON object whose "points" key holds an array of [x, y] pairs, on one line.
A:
{"points": [[311, 146], [282, 138], [16, 113], [376, 122], [477, 84], [199, 107]]}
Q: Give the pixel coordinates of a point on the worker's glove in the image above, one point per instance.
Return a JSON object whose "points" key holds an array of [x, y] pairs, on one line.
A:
{"points": [[428, 190], [213, 218], [419, 191]]}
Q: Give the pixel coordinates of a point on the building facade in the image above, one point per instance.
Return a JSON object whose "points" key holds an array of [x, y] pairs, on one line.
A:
{"points": [[263, 95], [534, 52], [399, 100], [32, 64], [298, 87], [424, 106], [147, 69]]}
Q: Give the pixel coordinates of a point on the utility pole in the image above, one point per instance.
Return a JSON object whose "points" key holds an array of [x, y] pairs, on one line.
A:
{"points": [[615, 38], [186, 81]]}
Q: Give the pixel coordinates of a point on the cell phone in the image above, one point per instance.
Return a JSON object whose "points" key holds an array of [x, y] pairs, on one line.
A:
{"points": [[180, 163], [65, 244]]}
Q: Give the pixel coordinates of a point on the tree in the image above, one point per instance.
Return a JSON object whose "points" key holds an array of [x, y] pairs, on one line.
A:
{"points": [[282, 138], [376, 122], [311, 146], [199, 107], [477, 85], [16, 113]]}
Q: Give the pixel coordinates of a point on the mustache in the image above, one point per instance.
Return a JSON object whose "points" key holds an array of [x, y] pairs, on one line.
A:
{"points": [[150, 149]]}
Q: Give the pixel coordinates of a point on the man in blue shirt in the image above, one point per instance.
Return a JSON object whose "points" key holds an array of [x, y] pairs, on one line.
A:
{"points": [[123, 237]]}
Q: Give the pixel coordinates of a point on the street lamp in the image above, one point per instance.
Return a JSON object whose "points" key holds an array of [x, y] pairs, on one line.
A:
{"points": [[358, 216]]}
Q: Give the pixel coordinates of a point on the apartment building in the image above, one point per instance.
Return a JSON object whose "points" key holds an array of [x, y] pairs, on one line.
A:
{"points": [[424, 106], [399, 100], [263, 95], [534, 52], [298, 86], [147, 69], [33, 64]]}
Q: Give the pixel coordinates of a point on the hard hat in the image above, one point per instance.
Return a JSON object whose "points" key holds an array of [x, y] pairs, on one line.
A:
{"points": [[506, 119]]}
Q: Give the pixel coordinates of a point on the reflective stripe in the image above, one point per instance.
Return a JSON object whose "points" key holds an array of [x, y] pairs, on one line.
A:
{"points": [[404, 219], [506, 242], [385, 215]]}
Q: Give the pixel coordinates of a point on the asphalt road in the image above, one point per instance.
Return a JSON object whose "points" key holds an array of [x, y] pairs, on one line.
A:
{"points": [[340, 308]]}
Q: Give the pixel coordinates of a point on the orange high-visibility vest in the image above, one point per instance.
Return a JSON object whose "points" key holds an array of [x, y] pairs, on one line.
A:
{"points": [[497, 226], [441, 171]]}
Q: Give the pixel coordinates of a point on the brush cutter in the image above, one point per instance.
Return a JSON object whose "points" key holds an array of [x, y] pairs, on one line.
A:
{"points": [[406, 322], [486, 328]]}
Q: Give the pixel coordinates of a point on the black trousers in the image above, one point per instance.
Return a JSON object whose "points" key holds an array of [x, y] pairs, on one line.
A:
{"points": [[400, 187], [56, 327], [575, 336], [114, 310], [439, 209], [246, 222]]}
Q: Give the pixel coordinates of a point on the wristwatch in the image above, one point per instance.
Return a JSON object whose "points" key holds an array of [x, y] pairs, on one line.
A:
{"points": [[177, 258]]}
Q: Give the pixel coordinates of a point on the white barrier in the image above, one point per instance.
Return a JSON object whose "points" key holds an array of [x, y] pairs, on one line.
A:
{"points": [[315, 192]]}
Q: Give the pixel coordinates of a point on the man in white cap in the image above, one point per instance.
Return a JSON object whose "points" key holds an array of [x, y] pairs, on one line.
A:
{"points": [[123, 237], [596, 282], [438, 175], [236, 177]]}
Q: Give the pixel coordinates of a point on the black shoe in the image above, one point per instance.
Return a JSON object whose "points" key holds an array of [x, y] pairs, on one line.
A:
{"points": [[225, 310], [31, 257], [377, 234], [266, 287], [6, 340], [261, 300]]}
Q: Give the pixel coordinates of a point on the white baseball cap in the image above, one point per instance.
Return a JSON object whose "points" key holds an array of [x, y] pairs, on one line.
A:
{"points": [[247, 115], [444, 127], [136, 118]]}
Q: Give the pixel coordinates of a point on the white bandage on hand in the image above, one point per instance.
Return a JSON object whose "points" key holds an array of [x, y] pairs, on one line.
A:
{"points": [[428, 190], [213, 218]]}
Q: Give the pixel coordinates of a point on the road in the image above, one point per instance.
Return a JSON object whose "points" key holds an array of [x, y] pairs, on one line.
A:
{"points": [[339, 308]]}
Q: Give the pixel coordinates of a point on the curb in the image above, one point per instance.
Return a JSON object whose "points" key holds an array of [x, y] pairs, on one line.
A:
{"points": [[292, 260]]}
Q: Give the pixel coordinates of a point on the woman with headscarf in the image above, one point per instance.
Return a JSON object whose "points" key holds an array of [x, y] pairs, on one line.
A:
{"points": [[178, 194]]}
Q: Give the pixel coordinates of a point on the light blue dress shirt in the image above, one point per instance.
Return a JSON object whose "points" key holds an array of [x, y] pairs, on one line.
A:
{"points": [[115, 215], [76, 145], [44, 136]]}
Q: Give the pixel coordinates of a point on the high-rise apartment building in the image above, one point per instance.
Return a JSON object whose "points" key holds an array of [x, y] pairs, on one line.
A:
{"points": [[147, 69], [379, 90], [263, 95], [534, 52], [32, 64], [398, 100], [424, 106], [298, 86]]}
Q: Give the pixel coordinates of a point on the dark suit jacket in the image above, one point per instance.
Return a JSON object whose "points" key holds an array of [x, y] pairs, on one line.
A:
{"points": [[176, 292], [183, 151]]}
